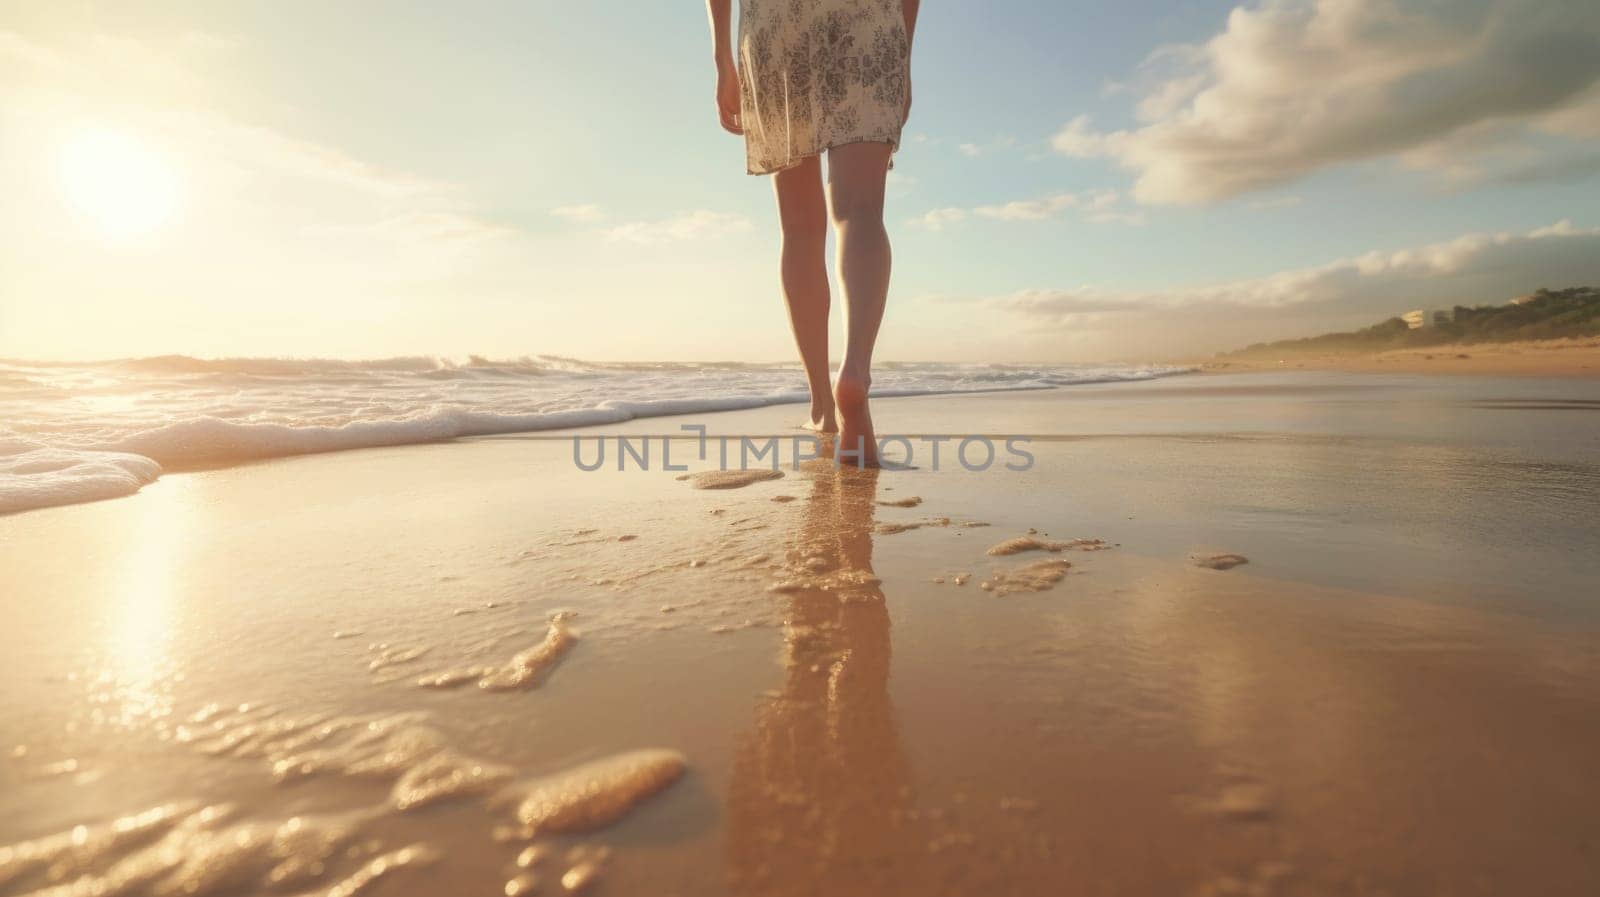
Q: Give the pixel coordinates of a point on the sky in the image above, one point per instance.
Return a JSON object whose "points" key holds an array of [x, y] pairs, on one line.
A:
{"points": [[1078, 181]]}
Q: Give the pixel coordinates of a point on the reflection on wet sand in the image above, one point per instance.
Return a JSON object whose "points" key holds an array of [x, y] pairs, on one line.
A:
{"points": [[820, 796], [1139, 725]]}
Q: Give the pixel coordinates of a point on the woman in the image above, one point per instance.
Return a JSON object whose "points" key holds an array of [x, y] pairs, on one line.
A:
{"points": [[817, 76]]}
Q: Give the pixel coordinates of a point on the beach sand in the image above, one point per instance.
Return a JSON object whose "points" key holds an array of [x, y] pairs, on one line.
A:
{"points": [[473, 668], [1577, 357]]}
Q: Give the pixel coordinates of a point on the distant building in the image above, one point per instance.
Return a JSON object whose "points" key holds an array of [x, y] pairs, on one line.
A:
{"points": [[1421, 318]]}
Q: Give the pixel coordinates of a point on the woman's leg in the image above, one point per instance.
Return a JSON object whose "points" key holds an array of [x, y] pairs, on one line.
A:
{"points": [[803, 215], [856, 175]]}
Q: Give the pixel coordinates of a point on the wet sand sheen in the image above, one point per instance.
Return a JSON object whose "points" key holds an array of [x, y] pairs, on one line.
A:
{"points": [[1036, 723]]}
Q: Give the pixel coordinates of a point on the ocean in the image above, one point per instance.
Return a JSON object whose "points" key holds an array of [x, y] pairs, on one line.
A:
{"points": [[72, 432]]}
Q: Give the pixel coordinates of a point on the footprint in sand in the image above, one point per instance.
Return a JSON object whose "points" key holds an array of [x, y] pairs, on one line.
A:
{"points": [[890, 529], [908, 502], [595, 794], [729, 479], [185, 846], [1038, 576], [1219, 561], [1032, 543], [525, 670]]}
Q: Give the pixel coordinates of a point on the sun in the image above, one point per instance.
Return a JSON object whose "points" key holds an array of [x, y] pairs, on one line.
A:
{"points": [[120, 185]]}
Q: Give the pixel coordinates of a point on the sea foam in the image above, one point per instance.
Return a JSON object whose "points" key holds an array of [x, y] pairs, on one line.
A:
{"points": [[41, 477], [81, 432]]}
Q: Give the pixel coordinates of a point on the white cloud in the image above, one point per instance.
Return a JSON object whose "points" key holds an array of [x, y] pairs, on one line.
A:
{"points": [[1029, 209], [432, 245], [116, 77], [269, 149], [1464, 89], [899, 184], [587, 213], [936, 219], [974, 150], [246, 185], [1078, 138], [1352, 292], [1277, 202], [1099, 206], [698, 224], [20, 55], [419, 229]]}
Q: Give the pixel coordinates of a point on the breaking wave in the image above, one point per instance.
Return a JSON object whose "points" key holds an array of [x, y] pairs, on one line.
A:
{"points": [[80, 432]]}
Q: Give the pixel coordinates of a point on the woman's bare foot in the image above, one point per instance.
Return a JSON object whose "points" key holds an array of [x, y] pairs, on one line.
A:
{"points": [[858, 444], [822, 420]]}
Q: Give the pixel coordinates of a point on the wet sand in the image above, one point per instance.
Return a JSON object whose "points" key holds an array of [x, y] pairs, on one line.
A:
{"points": [[475, 668]]}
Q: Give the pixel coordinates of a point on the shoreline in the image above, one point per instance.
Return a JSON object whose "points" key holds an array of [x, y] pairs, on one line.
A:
{"points": [[52, 458], [1540, 358], [111, 475], [1244, 612]]}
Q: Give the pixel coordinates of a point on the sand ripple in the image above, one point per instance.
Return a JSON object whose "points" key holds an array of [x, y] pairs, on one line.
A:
{"points": [[184, 850]]}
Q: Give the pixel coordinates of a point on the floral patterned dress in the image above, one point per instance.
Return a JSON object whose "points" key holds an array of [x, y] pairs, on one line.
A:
{"points": [[816, 74]]}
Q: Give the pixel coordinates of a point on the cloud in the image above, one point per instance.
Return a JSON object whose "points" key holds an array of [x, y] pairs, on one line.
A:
{"points": [[270, 149], [426, 245], [249, 187], [698, 224], [899, 184], [1294, 86], [973, 150], [1099, 206], [1029, 209], [936, 219], [587, 213], [1277, 202], [102, 75], [20, 54], [1352, 292], [419, 229]]}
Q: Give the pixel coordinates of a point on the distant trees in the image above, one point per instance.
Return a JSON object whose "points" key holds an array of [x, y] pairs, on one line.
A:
{"points": [[1548, 314]]}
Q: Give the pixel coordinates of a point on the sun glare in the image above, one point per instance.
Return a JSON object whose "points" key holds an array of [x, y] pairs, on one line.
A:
{"points": [[117, 183]]}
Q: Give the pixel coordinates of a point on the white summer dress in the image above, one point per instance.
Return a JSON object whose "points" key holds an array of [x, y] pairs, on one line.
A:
{"points": [[816, 74]]}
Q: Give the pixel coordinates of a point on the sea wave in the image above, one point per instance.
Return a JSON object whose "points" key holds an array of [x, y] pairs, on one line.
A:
{"points": [[80, 432], [40, 477]]}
